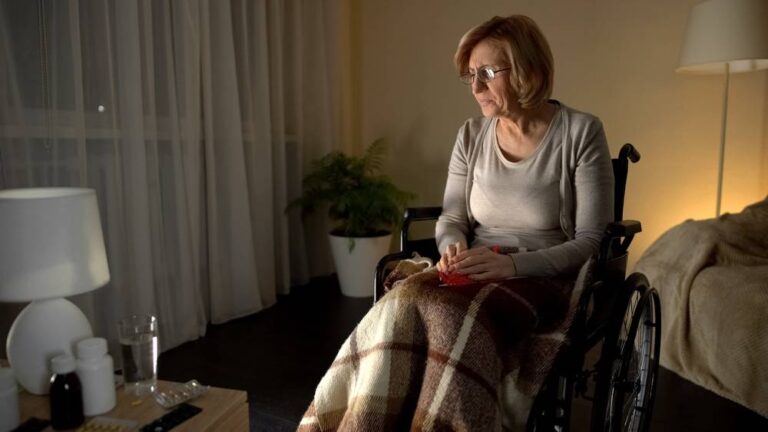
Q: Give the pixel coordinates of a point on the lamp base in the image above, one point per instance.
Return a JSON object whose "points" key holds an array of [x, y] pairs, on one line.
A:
{"points": [[43, 329]]}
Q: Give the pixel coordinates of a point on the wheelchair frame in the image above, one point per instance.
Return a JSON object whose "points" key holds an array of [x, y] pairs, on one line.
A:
{"points": [[626, 318]]}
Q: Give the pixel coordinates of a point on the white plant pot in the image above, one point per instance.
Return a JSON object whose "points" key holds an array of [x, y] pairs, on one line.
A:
{"points": [[355, 269]]}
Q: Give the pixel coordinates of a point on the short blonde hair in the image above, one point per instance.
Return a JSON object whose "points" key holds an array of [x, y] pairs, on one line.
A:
{"points": [[527, 50]]}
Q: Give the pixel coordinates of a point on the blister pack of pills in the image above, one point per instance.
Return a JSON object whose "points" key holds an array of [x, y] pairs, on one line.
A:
{"points": [[108, 424], [179, 393]]}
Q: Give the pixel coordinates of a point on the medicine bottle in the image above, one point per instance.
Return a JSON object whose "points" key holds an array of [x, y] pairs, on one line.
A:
{"points": [[94, 368], [9, 400], [66, 394]]}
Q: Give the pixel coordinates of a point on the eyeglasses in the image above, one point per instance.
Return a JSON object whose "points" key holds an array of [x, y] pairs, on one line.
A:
{"points": [[484, 74]]}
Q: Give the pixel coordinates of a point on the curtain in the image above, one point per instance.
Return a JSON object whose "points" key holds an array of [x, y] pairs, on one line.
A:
{"points": [[193, 120]]}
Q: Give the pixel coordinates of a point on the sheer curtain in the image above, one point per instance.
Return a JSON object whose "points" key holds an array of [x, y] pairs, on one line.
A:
{"points": [[192, 120]]}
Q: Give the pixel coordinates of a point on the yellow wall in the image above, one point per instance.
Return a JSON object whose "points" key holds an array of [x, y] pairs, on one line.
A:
{"points": [[615, 59]]}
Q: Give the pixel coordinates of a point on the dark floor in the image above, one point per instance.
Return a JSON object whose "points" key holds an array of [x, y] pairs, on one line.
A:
{"points": [[280, 354]]}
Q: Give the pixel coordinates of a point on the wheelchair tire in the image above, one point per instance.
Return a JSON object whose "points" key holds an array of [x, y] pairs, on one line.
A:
{"points": [[629, 362]]}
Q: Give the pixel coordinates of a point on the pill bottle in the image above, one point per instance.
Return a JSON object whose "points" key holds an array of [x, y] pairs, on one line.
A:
{"points": [[9, 400], [95, 370], [66, 394]]}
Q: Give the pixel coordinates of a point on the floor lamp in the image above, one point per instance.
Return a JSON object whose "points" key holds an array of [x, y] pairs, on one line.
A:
{"points": [[725, 37]]}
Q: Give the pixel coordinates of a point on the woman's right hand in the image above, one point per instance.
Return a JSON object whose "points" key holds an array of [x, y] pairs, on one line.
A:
{"points": [[449, 254]]}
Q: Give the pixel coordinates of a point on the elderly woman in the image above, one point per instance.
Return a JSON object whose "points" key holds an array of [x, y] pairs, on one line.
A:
{"points": [[528, 195], [532, 174], [531, 178]]}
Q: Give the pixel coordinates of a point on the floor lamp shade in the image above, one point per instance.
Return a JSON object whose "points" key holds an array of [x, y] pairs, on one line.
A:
{"points": [[52, 247], [724, 37], [720, 32]]}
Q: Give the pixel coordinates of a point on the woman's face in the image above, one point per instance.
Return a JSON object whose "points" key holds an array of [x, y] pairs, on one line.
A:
{"points": [[496, 96]]}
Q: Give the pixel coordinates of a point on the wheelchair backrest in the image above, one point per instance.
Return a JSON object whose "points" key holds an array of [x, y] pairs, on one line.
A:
{"points": [[425, 247]]}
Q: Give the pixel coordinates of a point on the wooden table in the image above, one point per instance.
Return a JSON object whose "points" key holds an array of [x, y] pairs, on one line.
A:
{"points": [[223, 409]]}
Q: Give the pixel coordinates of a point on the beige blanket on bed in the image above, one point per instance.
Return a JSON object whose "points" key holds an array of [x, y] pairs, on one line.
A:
{"points": [[712, 276]]}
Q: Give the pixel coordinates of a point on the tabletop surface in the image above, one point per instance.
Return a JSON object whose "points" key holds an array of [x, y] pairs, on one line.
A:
{"points": [[222, 409]]}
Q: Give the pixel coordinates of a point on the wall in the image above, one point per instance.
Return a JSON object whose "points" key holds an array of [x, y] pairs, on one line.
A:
{"points": [[615, 59]]}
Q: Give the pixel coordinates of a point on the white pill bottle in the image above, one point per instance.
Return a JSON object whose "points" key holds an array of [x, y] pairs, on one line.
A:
{"points": [[9, 400], [96, 372]]}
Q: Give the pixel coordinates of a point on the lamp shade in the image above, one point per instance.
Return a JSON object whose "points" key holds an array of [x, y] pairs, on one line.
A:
{"points": [[51, 244], [726, 31]]}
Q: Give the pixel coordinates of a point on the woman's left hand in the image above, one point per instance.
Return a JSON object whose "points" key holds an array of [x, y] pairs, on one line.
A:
{"points": [[482, 263]]}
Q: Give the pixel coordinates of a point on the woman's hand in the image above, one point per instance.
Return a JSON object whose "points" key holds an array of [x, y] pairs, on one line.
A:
{"points": [[448, 257], [482, 264]]}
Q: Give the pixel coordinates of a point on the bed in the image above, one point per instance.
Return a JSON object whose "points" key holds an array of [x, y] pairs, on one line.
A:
{"points": [[712, 276]]}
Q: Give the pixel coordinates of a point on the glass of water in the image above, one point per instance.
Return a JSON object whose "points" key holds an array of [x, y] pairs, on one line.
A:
{"points": [[138, 349]]}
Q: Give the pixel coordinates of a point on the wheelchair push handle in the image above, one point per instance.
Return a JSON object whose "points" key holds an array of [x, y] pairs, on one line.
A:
{"points": [[628, 151]]}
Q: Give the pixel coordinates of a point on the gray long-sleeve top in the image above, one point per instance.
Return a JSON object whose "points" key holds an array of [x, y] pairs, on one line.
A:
{"points": [[553, 205]]}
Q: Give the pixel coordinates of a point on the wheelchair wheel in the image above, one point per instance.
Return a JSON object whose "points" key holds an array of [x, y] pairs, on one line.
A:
{"points": [[629, 363]]}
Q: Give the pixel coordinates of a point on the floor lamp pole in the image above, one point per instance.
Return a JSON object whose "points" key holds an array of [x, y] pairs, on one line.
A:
{"points": [[721, 158]]}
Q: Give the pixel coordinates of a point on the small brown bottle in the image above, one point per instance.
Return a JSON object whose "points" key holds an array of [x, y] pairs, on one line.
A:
{"points": [[66, 394]]}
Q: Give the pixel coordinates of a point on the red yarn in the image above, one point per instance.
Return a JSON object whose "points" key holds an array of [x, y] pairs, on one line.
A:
{"points": [[454, 279]]}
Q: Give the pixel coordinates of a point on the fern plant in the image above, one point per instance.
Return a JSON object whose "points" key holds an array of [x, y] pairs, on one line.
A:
{"points": [[362, 202]]}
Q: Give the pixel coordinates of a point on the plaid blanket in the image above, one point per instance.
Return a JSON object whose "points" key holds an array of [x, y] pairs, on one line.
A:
{"points": [[428, 357]]}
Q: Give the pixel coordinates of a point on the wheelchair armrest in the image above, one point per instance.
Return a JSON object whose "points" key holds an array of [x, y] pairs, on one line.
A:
{"points": [[623, 228], [422, 213], [415, 214], [381, 267], [618, 235]]}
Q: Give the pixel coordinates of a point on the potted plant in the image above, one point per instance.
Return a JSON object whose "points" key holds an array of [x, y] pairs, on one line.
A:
{"points": [[365, 207]]}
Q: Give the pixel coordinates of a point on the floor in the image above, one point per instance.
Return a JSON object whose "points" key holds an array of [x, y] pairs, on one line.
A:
{"points": [[279, 355]]}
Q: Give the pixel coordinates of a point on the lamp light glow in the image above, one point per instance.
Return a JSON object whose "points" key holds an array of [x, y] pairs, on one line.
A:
{"points": [[724, 37]]}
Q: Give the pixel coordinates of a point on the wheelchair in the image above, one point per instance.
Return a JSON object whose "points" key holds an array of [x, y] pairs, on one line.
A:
{"points": [[621, 313]]}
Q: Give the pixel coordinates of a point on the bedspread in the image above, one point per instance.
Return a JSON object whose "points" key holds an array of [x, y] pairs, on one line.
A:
{"points": [[712, 277], [437, 358]]}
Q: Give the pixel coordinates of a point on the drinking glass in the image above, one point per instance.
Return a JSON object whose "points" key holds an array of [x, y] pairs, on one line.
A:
{"points": [[138, 349]]}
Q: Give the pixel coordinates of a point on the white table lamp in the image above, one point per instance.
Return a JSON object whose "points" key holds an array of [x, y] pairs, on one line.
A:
{"points": [[724, 37], [51, 246]]}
